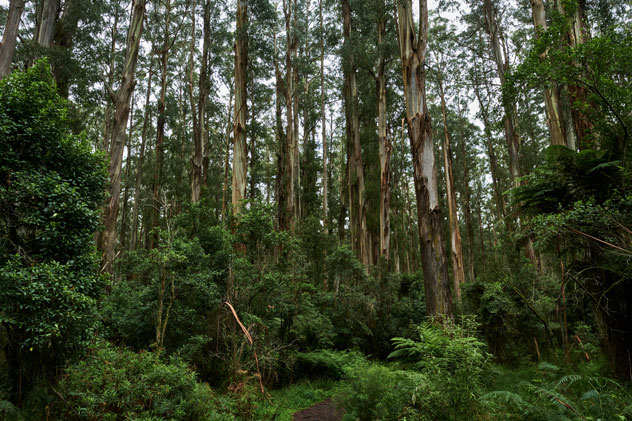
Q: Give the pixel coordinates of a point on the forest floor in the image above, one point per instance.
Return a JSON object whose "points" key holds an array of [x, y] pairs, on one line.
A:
{"points": [[323, 411]]}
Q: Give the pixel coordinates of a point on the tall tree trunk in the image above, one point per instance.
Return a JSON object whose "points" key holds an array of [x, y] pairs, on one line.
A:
{"points": [[552, 98], [141, 160], [46, 22], [467, 213], [288, 156], [356, 168], [197, 156], [240, 155], [124, 223], [323, 118], [576, 35], [160, 132], [121, 99], [385, 147], [63, 38], [9, 38], [458, 270], [502, 65], [413, 53], [229, 127], [108, 123]]}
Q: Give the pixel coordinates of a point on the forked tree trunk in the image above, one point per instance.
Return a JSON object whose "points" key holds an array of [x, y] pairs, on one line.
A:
{"points": [[9, 38], [413, 53], [458, 271], [240, 157], [121, 99]]}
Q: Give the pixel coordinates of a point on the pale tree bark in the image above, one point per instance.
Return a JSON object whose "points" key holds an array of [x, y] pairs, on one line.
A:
{"points": [[9, 37], [124, 223], [121, 99], [46, 22], [141, 160], [199, 135], [323, 119], [467, 214], [240, 155], [580, 124], [385, 147], [552, 98], [356, 167], [109, 108], [458, 270], [413, 54], [502, 65], [229, 127], [160, 131]]}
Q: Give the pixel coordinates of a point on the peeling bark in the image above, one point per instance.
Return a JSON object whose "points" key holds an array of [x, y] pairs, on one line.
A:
{"points": [[9, 37]]}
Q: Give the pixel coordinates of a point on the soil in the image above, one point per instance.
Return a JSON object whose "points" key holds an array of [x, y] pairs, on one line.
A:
{"points": [[324, 411]]}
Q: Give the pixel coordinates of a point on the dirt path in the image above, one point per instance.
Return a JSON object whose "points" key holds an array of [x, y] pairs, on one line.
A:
{"points": [[324, 411]]}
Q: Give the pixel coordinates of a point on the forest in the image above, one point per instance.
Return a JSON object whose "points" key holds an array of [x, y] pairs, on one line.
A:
{"points": [[315, 209]]}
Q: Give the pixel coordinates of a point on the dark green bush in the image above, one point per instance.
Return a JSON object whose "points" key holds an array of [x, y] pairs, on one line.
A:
{"points": [[116, 384]]}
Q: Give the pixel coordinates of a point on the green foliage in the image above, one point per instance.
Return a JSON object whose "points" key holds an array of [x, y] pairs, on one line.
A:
{"points": [[547, 392], [51, 187], [116, 384]]}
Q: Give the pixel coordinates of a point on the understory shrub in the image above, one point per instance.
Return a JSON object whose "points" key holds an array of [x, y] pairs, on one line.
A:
{"points": [[117, 384]]}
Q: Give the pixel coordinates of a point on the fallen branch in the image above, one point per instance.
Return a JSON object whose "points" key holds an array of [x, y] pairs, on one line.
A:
{"points": [[251, 343]]}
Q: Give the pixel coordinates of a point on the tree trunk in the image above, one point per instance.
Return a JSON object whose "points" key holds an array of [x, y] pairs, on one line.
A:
{"points": [[502, 65], [126, 190], [458, 270], [240, 155], [9, 38], [413, 52], [141, 159], [121, 99], [229, 127], [356, 168], [323, 118], [552, 98], [46, 22], [385, 147], [160, 132], [467, 214]]}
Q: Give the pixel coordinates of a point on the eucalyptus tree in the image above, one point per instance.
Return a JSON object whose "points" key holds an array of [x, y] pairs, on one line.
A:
{"points": [[121, 99], [413, 56], [240, 155], [9, 37]]}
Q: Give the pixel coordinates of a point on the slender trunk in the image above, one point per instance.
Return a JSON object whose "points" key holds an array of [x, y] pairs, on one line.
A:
{"points": [[141, 159], [240, 155], [413, 52], [286, 217], [9, 38], [160, 132], [502, 66], [108, 123], [458, 270], [121, 99], [196, 158], [323, 117], [467, 213], [385, 147], [229, 127], [356, 167], [126, 190]]}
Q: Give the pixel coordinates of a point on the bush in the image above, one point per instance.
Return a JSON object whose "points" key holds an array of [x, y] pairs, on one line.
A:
{"points": [[116, 384], [51, 188]]}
